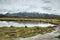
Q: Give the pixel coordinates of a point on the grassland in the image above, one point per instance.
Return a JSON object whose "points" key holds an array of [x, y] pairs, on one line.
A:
{"points": [[23, 32], [14, 32], [53, 21]]}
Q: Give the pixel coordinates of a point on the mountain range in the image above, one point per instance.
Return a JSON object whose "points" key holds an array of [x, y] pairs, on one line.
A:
{"points": [[31, 15]]}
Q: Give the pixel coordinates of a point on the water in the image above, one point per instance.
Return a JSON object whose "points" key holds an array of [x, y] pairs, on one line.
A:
{"points": [[47, 36], [23, 24]]}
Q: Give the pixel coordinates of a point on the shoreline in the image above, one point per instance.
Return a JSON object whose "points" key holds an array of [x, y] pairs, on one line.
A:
{"points": [[52, 21]]}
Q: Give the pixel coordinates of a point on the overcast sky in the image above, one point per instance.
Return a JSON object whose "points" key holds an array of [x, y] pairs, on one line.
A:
{"points": [[41, 6]]}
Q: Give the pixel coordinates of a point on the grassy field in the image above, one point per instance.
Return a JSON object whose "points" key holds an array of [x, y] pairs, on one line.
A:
{"points": [[23, 32], [53, 21], [14, 32]]}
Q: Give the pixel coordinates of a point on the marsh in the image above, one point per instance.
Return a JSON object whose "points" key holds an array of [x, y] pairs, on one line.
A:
{"points": [[29, 30]]}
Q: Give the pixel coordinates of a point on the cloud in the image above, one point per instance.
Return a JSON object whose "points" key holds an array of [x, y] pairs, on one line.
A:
{"points": [[41, 6], [47, 8], [46, 1]]}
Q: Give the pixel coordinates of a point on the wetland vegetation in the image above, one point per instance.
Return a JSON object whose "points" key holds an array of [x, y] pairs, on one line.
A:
{"points": [[58, 36], [53, 21], [23, 32]]}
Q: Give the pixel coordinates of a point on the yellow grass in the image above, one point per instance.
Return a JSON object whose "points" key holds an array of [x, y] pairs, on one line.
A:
{"points": [[54, 21]]}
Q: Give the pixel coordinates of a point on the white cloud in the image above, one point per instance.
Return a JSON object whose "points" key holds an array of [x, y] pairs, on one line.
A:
{"points": [[44, 6]]}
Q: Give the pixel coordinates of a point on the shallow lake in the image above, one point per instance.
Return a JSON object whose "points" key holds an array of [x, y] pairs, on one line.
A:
{"points": [[23, 24], [47, 36]]}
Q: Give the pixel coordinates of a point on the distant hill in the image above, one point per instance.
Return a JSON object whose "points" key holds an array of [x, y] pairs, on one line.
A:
{"points": [[32, 15], [1, 15]]}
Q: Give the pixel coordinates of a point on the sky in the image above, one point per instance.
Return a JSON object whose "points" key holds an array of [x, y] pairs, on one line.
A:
{"points": [[40, 6]]}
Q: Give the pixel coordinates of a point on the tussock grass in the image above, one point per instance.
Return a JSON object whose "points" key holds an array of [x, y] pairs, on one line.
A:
{"points": [[53, 21], [23, 32]]}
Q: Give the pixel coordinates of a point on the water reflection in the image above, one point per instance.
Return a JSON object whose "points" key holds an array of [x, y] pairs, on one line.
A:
{"points": [[22, 24], [47, 36]]}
